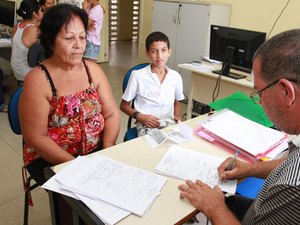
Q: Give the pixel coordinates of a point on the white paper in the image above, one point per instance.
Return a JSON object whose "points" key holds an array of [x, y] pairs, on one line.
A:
{"points": [[247, 135], [180, 134], [123, 186], [107, 213], [185, 164]]}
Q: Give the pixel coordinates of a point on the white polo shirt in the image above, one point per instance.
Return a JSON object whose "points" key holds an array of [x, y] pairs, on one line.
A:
{"points": [[151, 96]]}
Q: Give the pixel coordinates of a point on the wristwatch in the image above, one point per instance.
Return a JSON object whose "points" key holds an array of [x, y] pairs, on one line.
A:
{"points": [[135, 114]]}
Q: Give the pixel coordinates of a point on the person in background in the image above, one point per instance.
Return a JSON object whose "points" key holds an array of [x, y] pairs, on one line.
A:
{"points": [[95, 13], [66, 107], [155, 89], [46, 4], [277, 81], [24, 35], [3, 106]]}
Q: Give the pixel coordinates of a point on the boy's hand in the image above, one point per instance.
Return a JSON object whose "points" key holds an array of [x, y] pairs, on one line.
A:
{"points": [[148, 120]]}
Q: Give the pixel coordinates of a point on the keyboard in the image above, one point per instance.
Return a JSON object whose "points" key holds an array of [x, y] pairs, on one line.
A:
{"points": [[4, 35]]}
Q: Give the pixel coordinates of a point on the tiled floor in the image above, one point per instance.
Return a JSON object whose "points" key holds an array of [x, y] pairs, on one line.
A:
{"points": [[123, 55]]}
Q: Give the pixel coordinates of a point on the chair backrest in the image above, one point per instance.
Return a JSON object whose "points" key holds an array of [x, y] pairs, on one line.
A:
{"points": [[128, 74], [125, 82], [13, 114], [35, 54]]}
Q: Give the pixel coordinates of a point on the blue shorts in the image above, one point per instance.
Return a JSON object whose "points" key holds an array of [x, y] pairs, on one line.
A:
{"points": [[91, 50]]}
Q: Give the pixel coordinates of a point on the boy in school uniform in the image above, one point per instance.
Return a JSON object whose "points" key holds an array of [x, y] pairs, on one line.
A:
{"points": [[155, 89]]}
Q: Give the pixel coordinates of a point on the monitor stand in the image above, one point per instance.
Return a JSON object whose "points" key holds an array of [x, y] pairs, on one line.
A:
{"points": [[225, 71], [230, 74]]}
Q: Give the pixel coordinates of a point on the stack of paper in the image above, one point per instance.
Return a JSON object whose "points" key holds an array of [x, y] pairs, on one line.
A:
{"points": [[112, 190], [237, 132]]}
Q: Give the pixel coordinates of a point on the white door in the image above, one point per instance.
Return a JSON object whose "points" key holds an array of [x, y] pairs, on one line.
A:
{"points": [[164, 19], [192, 32], [192, 35]]}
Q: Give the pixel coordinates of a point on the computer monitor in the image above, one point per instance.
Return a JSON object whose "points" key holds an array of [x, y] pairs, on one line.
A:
{"points": [[8, 16], [235, 48]]}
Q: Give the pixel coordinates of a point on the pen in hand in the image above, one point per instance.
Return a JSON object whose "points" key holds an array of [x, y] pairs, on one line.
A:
{"points": [[230, 165]]}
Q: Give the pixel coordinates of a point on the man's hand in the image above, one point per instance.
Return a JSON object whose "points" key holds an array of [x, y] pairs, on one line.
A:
{"points": [[203, 197], [239, 169]]}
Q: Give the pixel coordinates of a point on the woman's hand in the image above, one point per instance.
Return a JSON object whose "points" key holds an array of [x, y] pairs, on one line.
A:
{"points": [[86, 5]]}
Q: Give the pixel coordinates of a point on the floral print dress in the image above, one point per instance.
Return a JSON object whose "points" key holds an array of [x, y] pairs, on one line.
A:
{"points": [[75, 121]]}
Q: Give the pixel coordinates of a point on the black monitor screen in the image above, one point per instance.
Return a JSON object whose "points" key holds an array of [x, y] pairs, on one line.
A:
{"points": [[7, 13], [238, 44]]}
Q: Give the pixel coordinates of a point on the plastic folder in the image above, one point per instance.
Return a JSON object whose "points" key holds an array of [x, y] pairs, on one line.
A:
{"points": [[250, 187], [235, 132]]}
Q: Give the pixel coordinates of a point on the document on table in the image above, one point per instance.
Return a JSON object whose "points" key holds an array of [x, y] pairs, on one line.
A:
{"points": [[108, 213], [116, 183], [181, 133], [186, 164]]}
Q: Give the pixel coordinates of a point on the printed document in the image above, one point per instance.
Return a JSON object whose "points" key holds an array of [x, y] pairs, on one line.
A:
{"points": [[181, 133], [116, 183], [107, 213]]}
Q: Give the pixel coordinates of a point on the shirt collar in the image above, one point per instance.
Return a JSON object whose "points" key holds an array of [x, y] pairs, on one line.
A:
{"points": [[296, 140]]}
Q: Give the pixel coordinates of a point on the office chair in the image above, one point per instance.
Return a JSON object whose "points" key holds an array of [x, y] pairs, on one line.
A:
{"points": [[13, 118], [131, 132], [35, 54]]}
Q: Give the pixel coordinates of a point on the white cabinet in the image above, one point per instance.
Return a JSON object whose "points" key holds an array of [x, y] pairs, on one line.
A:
{"points": [[187, 24]]}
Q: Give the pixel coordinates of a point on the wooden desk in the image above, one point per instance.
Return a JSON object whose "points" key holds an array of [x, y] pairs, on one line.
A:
{"points": [[203, 82], [167, 208]]}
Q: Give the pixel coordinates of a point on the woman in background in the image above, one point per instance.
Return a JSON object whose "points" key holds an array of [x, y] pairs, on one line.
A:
{"points": [[24, 35], [46, 4], [95, 13]]}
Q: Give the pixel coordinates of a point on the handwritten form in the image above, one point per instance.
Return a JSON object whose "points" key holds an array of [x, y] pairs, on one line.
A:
{"points": [[116, 183], [185, 164]]}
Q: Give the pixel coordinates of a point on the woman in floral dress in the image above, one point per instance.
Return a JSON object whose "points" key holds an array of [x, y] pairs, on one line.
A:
{"points": [[67, 107]]}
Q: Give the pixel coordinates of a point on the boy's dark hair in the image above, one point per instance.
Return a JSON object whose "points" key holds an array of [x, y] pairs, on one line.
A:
{"points": [[54, 19], [27, 8], [156, 36]]}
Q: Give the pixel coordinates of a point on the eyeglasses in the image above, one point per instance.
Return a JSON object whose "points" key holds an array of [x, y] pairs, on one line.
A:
{"points": [[256, 95]]}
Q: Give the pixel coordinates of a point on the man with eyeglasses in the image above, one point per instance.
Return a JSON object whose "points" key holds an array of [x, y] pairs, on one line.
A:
{"points": [[276, 69]]}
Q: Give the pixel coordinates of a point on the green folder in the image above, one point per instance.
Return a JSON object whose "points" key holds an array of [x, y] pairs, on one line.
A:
{"points": [[242, 104]]}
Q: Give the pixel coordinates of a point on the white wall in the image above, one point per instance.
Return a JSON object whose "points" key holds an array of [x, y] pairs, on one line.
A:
{"points": [[259, 15]]}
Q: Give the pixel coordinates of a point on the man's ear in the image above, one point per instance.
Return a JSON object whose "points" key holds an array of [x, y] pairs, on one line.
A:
{"points": [[288, 90]]}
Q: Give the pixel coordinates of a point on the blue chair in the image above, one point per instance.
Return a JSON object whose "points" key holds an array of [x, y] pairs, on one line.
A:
{"points": [[131, 132], [13, 118]]}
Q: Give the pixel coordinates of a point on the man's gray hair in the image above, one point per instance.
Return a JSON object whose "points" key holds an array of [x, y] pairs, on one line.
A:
{"points": [[280, 56]]}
